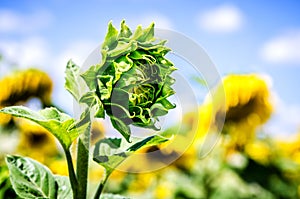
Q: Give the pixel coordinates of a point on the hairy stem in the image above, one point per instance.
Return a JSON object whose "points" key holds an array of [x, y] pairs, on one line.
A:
{"points": [[72, 175], [83, 160], [102, 184]]}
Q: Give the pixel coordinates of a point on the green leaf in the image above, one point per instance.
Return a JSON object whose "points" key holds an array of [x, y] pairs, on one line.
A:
{"points": [[31, 179], [71, 84], [147, 142], [64, 187], [121, 127], [59, 124], [92, 100], [110, 152]]}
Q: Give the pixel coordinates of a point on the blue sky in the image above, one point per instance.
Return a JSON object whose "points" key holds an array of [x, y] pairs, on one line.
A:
{"points": [[239, 36]]}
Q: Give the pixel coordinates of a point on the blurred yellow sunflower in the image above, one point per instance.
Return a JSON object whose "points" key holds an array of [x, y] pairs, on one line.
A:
{"points": [[35, 141], [164, 190], [247, 106], [289, 148], [59, 166], [247, 98], [259, 150], [179, 151], [20, 86], [97, 132]]}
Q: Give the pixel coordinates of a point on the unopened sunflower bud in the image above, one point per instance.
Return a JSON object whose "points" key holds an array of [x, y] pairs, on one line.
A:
{"points": [[133, 80]]}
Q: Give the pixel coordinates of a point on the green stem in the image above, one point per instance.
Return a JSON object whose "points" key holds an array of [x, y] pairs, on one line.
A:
{"points": [[101, 185], [83, 160], [72, 175]]}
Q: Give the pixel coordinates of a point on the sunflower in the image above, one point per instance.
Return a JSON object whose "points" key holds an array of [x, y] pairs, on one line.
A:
{"points": [[133, 82], [247, 98], [247, 106], [97, 132], [259, 150], [35, 141], [289, 148], [23, 85]]}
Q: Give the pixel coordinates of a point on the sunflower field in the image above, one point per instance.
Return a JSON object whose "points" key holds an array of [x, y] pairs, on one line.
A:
{"points": [[246, 162]]}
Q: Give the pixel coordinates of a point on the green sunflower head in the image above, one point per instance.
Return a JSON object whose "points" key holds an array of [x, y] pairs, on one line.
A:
{"points": [[132, 82]]}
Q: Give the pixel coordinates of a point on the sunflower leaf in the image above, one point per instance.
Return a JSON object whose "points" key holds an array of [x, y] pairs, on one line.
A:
{"points": [[59, 124], [31, 179], [71, 84], [110, 152], [64, 187]]}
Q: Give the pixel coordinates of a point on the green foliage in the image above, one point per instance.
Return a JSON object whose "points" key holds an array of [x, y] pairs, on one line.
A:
{"points": [[131, 85], [64, 187], [110, 152], [62, 126], [72, 85], [133, 82], [31, 179], [6, 190]]}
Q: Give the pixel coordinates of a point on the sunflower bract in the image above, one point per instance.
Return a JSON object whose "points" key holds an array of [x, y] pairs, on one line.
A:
{"points": [[133, 79]]}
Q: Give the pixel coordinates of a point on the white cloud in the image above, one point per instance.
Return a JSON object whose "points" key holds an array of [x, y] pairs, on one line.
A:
{"points": [[283, 49], [35, 52], [224, 19], [78, 51], [13, 22], [285, 119], [32, 51]]}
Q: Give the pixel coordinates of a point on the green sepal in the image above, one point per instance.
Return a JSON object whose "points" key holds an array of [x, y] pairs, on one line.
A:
{"points": [[121, 127], [89, 77], [111, 37], [92, 101], [125, 30]]}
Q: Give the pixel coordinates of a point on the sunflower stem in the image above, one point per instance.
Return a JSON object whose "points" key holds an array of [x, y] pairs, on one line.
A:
{"points": [[102, 184], [83, 161], [72, 175]]}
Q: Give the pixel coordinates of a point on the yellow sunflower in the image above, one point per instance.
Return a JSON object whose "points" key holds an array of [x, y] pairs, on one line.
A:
{"points": [[289, 148], [97, 132], [247, 106], [22, 85], [35, 141], [259, 150]]}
